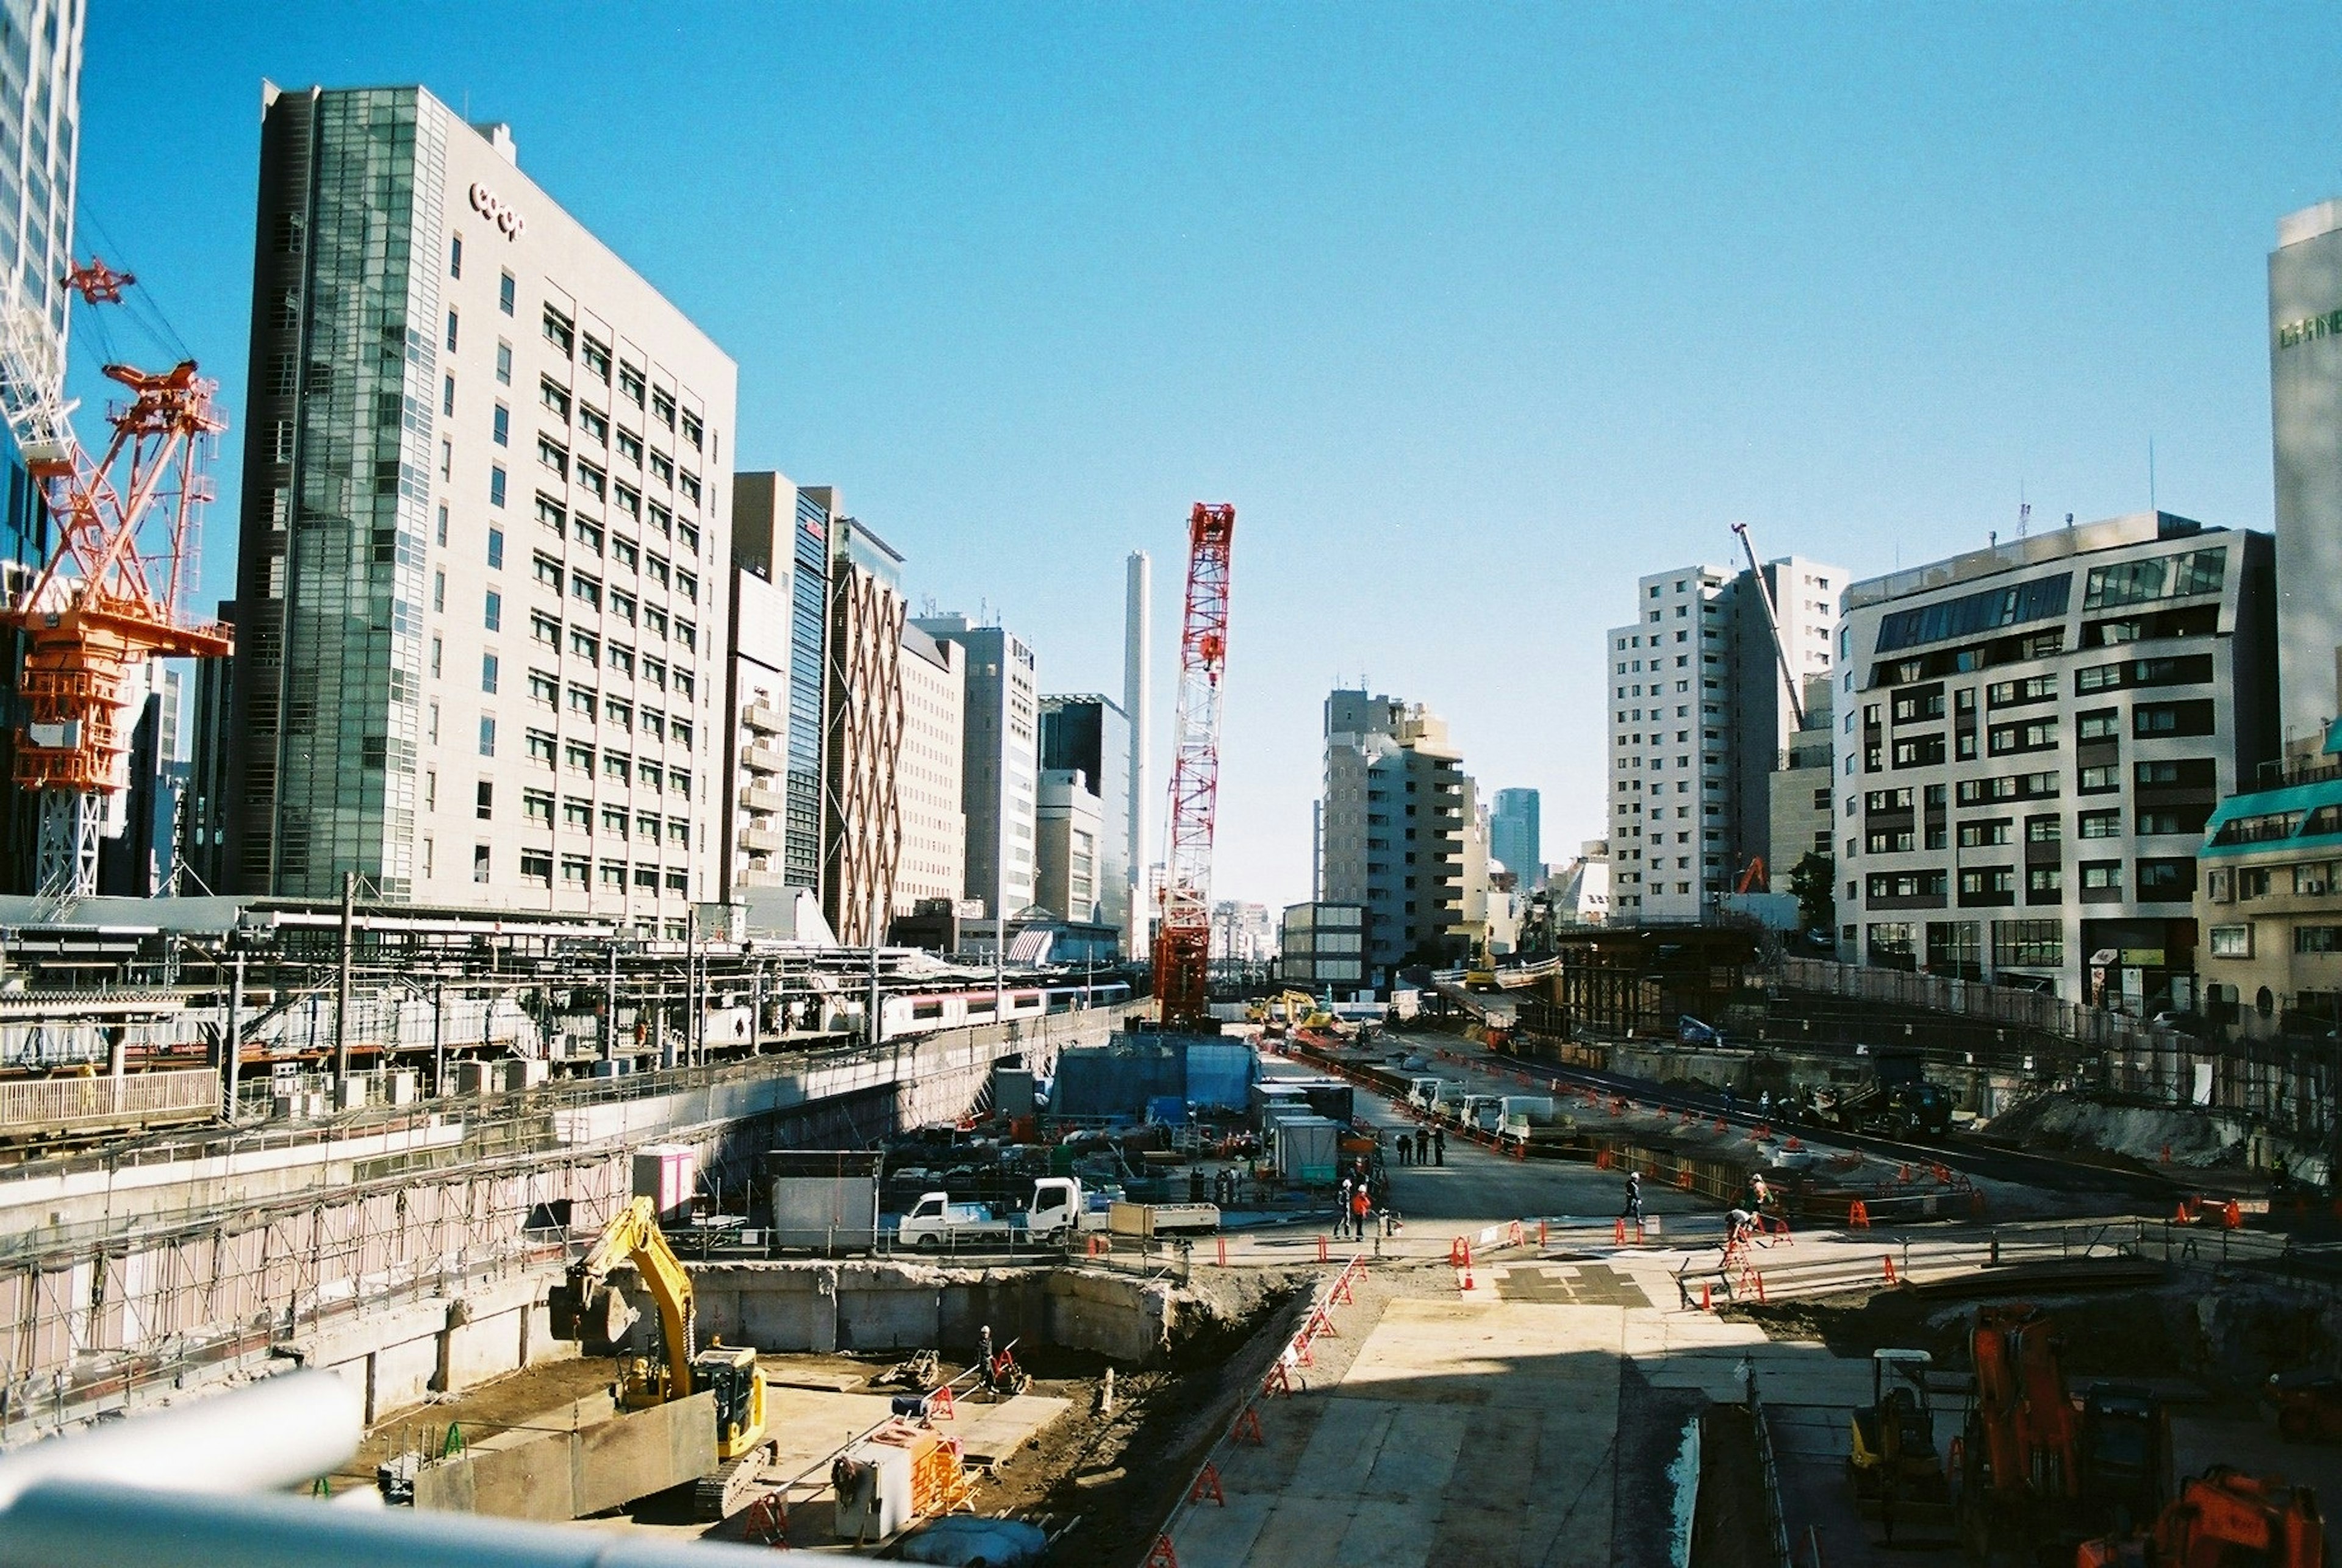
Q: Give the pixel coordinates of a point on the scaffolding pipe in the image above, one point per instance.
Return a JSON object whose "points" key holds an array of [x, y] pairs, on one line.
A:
{"points": [[86, 1521], [278, 1432]]}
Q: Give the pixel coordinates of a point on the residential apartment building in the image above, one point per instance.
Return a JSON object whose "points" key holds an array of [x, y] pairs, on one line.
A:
{"points": [[483, 588], [1000, 768], [2305, 302], [862, 818], [2031, 739], [2269, 899], [1513, 835], [1090, 734], [1322, 947], [1801, 794], [928, 784], [40, 107], [1698, 716], [1391, 829]]}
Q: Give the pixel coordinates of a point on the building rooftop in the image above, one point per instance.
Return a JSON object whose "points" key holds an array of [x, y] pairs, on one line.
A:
{"points": [[2309, 222], [2016, 554]]}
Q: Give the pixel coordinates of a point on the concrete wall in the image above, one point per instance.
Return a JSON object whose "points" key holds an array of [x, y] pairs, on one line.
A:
{"points": [[827, 1307], [556, 1476]]}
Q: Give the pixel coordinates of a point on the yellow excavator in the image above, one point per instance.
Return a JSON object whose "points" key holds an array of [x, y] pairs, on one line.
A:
{"points": [[582, 1309], [1288, 1011]]}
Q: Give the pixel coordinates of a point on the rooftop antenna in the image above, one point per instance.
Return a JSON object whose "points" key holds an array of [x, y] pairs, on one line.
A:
{"points": [[2024, 511], [2150, 476]]}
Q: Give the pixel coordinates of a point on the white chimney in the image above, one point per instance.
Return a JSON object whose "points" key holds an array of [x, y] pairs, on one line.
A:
{"points": [[1136, 690]]}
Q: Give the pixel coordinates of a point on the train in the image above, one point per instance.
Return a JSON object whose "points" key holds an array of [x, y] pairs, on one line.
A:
{"points": [[921, 1013]]}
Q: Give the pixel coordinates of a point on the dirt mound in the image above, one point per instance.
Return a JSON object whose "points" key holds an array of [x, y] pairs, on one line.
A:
{"points": [[2150, 1134]]}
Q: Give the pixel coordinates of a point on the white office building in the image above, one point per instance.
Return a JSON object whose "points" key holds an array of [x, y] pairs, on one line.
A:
{"points": [[929, 781], [1000, 769], [482, 595], [1698, 717]]}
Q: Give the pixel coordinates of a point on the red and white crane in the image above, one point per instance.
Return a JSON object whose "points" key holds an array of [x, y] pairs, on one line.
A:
{"points": [[108, 598], [1183, 938]]}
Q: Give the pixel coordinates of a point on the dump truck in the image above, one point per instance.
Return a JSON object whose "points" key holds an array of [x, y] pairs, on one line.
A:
{"points": [[1058, 1209]]}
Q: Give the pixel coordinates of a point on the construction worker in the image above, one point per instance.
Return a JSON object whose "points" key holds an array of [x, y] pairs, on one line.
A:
{"points": [[1634, 1211], [1406, 1147], [1362, 1212], [1342, 1208], [1439, 1145]]}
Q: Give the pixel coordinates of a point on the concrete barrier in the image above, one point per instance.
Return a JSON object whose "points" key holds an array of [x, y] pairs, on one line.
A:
{"points": [[562, 1475]]}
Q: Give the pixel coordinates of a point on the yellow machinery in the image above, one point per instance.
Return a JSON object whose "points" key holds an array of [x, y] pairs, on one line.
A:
{"points": [[633, 1238], [1291, 1010], [1891, 1449]]}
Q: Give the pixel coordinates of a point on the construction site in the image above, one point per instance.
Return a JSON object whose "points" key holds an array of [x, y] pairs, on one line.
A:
{"points": [[377, 1230]]}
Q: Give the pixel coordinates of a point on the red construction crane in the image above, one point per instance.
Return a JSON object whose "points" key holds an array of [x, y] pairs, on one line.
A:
{"points": [[1183, 938], [108, 600]]}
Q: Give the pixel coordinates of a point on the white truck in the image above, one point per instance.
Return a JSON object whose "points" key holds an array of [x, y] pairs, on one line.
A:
{"points": [[1058, 1209]]}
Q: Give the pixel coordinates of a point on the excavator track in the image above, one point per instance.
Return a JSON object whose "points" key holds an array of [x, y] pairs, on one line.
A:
{"points": [[731, 1486]]}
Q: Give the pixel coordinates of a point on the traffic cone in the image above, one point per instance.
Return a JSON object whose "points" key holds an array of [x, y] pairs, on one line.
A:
{"points": [[1889, 1261]]}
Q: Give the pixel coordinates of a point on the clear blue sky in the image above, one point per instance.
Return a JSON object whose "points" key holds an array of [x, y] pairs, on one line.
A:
{"points": [[1475, 313]]}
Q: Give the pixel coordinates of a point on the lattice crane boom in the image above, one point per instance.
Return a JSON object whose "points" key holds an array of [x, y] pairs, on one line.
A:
{"points": [[1183, 939], [109, 599]]}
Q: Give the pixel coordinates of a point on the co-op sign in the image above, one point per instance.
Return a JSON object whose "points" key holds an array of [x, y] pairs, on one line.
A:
{"points": [[494, 208]]}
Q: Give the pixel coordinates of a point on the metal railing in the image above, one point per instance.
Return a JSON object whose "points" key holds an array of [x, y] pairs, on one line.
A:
{"points": [[76, 1104]]}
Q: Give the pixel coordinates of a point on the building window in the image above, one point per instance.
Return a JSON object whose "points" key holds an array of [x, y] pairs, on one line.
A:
{"points": [[559, 332], [2098, 824], [504, 363], [540, 747], [2318, 939], [2100, 780], [495, 549], [451, 332], [536, 805], [507, 293], [2043, 883], [483, 801], [493, 616], [597, 358], [443, 524], [536, 868], [2102, 874], [455, 256], [439, 591], [488, 737], [479, 863], [499, 427], [2028, 944], [447, 396], [488, 674], [495, 486]]}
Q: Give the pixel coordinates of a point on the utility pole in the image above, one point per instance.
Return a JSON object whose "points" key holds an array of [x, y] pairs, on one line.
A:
{"points": [[341, 991], [610, 1009], [691, 992], [871, 1029], [232, 1063], [756, 1004], [438, 1037]]}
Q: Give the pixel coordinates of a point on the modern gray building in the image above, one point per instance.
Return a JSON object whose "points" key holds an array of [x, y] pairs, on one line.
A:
{"points": [[1391, 828], [1321, 948], [1513, 835], [486, 559], [780, 612], [40, 107], [2031, 740], [2304, 297], [1699, 715], [1000, 782], [1090, 736]]}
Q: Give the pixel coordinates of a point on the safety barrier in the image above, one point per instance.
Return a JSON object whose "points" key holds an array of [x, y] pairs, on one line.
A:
{"points": [[1245, 1430]]}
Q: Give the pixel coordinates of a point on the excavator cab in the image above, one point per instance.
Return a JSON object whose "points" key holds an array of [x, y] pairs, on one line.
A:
{"points": [[1891, 1446], [2126, 1456], [730, 1373]]}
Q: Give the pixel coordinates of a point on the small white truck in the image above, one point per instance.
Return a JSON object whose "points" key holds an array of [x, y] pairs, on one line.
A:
{"points": [[1058, 1209]]}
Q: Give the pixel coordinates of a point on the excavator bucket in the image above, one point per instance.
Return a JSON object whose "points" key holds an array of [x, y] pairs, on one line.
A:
{"points": [[595, 1316]]}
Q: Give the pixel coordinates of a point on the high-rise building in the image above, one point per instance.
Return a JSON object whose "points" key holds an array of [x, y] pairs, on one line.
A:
{"points": [[2031, 739], [203, 829], [40, 107], [1069, 845], [1321, 948], [1000, 777], [1391, 829], [1803, 788], [2304, 297], [1698, 719], [1513, 834], [1090, 736], [481, 597], [933, 862], [862, 818], [756, 762]]}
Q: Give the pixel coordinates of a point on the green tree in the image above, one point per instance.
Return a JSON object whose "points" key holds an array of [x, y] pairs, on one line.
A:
{"points": [[1814, 880]]}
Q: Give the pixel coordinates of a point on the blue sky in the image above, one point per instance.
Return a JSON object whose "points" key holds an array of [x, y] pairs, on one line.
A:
{"points": [[1475, 313]]}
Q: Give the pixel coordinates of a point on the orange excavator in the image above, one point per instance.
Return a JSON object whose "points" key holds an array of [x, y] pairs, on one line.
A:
{"points": [[2036, 1472], [2222, 1519]]}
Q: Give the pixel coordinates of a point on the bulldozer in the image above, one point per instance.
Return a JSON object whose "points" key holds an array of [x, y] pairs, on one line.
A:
{"points": [[586, 1308], [1891, 1458], [2223, 1518]]}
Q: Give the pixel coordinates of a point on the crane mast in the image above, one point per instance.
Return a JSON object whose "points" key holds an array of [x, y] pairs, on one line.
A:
{"points": [[1773, 621], [1183, 938], [108, 600]]}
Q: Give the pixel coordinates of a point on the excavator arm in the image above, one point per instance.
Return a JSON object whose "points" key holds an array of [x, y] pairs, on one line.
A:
{"points": [[632, 1237]]}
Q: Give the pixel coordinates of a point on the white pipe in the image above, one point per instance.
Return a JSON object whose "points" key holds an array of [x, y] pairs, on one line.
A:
{"points": [[276, 1433], [89, 1525]]}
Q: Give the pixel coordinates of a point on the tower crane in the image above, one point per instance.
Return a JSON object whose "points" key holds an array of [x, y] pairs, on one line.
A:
{"points": [[108, 598], [1773, 621], [1183, 938]]}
